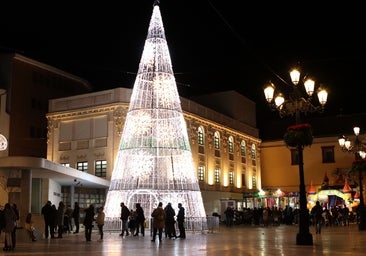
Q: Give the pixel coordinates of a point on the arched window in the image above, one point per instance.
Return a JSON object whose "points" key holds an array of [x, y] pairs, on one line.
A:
{"points": [[200, 136], [231, 144], [217, 140], [243, 148], [254, 151]]}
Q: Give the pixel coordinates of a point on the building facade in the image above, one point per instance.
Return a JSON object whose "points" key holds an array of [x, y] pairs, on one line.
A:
{"points": [[84, 132]]}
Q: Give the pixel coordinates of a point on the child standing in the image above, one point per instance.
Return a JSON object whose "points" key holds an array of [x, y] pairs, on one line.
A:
{"points": [[29, 227]]}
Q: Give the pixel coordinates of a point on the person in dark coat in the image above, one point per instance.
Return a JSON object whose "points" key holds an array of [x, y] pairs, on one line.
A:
{"points": [[88, 222], [76, 217], [10, 218], [140, 220], [159, 217], [170, 221], [47, 216], [317, 211], [125, 213], [180, 220]]}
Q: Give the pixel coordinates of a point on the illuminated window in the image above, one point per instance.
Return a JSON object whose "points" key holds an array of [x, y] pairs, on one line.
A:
{"points": [[253, 152], [201, 173], [217, 175], [65, 164], [231, 177], [82, 166], [200, 136], [101, 168], [254, 155], [217, 140], [242, 148], [231, 144]]}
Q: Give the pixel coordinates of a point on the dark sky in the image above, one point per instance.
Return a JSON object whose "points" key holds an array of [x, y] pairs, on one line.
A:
{"points": [[214, 45]]}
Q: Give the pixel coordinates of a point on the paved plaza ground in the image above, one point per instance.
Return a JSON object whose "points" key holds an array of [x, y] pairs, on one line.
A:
{"points": [[236, 240]]}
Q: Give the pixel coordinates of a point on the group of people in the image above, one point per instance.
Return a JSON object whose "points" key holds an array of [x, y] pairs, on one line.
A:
{"points": [[133, 221], [60, 220]]}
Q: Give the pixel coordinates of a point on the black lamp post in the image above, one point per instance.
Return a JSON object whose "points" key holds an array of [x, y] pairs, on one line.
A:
{"points": [[294, 106], [359, 150]]}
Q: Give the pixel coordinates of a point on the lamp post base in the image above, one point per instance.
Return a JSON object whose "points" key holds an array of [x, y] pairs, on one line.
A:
{"points": [[304, 239]]}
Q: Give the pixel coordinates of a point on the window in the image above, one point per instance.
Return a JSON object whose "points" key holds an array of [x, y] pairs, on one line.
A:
{"points": [[200, 136], [101, 168], [254, 155], [328, 154], [217, 175], [82, 166], [242, 148], [65, 164], [243, 151], [253, 152], [231, 144], [201, 173], [254, 182], [231, 177], [217, 140], [294, 157]]}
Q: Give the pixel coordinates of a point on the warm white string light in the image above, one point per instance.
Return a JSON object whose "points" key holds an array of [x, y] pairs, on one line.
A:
{"points": [[154, 162]]}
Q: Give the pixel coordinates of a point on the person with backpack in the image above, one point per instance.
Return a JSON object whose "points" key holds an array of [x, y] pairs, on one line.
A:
{"points": [[159, 217]]}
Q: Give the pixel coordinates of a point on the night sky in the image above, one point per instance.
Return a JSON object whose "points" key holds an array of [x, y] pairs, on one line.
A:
{"points": [[214, 45]]}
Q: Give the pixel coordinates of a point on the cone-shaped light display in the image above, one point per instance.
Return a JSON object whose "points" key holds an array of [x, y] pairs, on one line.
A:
{"points": [[154, 161]]}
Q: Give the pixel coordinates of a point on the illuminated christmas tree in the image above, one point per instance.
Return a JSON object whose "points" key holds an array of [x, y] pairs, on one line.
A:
{"points": [[154, 161]]}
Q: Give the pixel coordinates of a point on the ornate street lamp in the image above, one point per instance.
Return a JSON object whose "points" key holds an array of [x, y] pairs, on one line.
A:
{"points": [[359, 165], [299, 135]]}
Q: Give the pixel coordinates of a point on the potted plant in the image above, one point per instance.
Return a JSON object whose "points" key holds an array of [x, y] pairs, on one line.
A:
{"points": [[299, 135]]}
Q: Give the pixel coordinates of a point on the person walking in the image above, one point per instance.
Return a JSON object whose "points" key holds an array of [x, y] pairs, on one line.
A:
{"points": [[88, 222], [60, 219], [170, 221], [30, 227], [159, 217], [140, 220], [180, 220], [10, 218], [76, 217], [317, 211], [100, 222], [48, 220], [125, 213]]}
